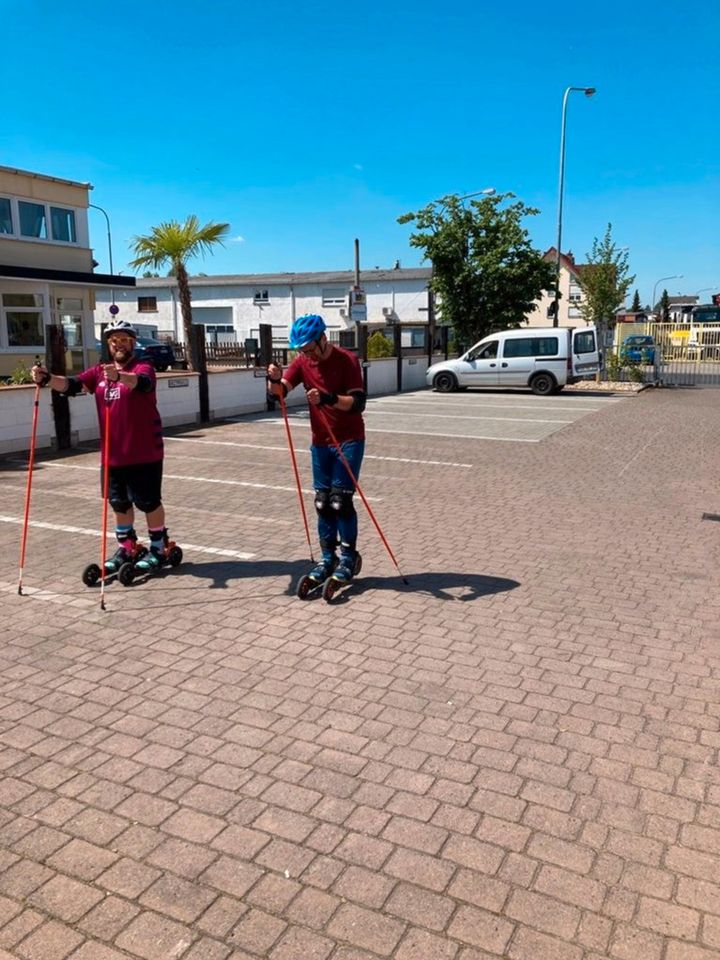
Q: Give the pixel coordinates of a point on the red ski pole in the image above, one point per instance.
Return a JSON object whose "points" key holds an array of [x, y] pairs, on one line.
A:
{"points": [[357, 486], [106, 490], [291, 446], [31, 464]]}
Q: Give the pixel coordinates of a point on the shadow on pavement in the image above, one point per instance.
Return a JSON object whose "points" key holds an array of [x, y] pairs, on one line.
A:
{"points": [[442, 585]]}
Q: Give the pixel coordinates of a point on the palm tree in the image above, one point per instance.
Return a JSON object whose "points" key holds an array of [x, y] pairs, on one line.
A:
{"points": [[173, 244]]}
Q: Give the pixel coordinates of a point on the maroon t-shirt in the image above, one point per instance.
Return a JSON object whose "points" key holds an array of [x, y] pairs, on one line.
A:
{"points": [[135, 425], [340, 373]]}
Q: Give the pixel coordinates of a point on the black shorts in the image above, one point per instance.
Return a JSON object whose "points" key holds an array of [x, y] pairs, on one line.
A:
{"points": [[140, 484]]}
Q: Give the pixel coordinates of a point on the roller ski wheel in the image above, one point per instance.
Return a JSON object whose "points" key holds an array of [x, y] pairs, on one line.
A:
{"points": [[126, 574], [151, 563], [311, 582], [338, 582], [174, 555], [91, 575]]}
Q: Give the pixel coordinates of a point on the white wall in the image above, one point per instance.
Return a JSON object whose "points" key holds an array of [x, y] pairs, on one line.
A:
{"points": [[231, 393]]}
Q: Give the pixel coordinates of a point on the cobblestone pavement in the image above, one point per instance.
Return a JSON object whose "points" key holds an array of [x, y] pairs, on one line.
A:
{"points": [[516, 756]]}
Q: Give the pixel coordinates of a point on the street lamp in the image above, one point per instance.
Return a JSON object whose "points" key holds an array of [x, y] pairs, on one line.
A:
{"points": [[109, 238], [588, 91], [675, 276], [704, 289], [487, 192]]}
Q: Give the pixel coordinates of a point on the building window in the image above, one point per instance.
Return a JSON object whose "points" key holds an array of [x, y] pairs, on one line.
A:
{"points": [[33, 221], [574, 313], [147, 305], [575, 292], [261, 296], [6, 224], [24, 319], [62, 222], [334, 297]]}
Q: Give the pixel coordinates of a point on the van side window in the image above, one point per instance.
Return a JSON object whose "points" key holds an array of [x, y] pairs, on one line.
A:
{"points": [[585, 342], [531, 347], [487, 352]]}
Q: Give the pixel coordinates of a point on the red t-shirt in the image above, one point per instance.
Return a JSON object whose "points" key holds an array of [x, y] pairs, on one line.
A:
{"points": [[340, 373], [135, 425]]}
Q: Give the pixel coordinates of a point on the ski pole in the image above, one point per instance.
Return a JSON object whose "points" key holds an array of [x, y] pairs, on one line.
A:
{"points": [[31, 464], [106, 490], [291, 446], [357, 486]]}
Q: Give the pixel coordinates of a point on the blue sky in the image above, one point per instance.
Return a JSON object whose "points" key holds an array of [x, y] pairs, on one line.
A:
{"points": [[305, 126]]}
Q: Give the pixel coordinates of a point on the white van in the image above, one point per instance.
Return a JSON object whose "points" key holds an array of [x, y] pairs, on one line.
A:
{"points": [[542, 358]]}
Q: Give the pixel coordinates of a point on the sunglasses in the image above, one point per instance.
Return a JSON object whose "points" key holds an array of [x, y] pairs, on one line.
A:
{"points": [[118, 340]]}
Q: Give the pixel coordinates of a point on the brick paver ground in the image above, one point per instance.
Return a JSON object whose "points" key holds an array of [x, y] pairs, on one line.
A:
{"points": [[514, 757]]}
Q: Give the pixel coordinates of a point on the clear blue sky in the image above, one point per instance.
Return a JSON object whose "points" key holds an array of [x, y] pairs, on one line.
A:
{"points": [[307, 125]]}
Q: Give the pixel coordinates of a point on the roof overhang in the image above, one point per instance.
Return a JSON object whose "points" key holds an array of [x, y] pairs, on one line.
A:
{"points": [[47, 274]]}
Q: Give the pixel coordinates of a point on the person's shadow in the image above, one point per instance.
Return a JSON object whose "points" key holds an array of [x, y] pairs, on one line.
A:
{"points": [[443, 585]]}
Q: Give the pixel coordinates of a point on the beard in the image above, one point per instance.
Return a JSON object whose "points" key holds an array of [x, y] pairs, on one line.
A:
{"points": [[121, 355]]}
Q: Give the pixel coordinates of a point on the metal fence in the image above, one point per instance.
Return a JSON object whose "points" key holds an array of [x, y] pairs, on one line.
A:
{"points": [[685, 354]]}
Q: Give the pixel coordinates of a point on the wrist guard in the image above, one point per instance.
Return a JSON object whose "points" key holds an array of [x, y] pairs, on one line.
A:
{"points": [[46, 379], [328, 399]]}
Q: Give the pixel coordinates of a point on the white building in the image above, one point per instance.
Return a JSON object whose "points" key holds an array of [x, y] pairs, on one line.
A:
{"points": [[233, 307]]}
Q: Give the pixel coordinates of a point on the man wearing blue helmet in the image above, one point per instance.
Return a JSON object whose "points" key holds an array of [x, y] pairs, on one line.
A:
{"points": [[333, 380]]}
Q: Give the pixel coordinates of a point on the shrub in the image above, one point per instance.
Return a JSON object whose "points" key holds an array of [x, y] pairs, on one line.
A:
{"points": [[20, 375], [379, 346], [613, 366]]}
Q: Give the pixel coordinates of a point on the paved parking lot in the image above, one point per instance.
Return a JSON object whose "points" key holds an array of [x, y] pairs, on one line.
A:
{"points": [[514, 756]]}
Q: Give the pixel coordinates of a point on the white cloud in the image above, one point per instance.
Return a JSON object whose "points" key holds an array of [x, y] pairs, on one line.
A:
{"points": [[237, 239]]}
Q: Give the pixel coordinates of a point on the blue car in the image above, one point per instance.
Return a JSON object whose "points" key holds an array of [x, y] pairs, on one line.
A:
{"points": [[638, 348]]}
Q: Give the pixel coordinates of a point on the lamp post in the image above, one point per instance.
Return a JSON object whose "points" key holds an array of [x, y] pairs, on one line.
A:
{"points": [[109, 238], [704, 289], [588, 91], [675, 276]]}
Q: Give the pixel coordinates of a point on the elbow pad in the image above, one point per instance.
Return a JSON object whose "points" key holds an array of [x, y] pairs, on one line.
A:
{"points": [[74, 387], [144, 383], [358, 401]]}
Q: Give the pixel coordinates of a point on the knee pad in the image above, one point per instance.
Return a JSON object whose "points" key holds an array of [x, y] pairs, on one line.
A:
{"points": [[322, 504], [120, 506], [341, 502], [147, 506]]}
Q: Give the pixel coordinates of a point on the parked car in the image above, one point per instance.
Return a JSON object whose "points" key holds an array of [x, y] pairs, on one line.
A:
{"points": [[542, 358], [159, 354], [638, 348]]}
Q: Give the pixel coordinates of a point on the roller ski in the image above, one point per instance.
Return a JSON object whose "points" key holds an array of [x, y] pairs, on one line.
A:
{"points": [[348, 567], [153, 560], [125, 556], [311, 582]]}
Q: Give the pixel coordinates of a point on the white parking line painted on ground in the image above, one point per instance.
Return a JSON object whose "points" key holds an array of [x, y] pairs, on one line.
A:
{"points": [[485, 406], [66, 528], [455, 416], [177, 476], [75, 495], [368, 456], [35, 593], [458, 436]]}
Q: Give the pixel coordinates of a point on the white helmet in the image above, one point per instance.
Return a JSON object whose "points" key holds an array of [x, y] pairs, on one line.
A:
{"points": [[120, 326]]}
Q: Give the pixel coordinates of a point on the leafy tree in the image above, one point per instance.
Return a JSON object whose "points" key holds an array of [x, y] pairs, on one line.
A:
{"points": [[379, 346], [486, 273], [636, 306], [605, 282], [173, 243]]}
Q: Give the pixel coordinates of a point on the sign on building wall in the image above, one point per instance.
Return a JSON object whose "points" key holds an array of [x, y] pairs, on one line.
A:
{"points": [[358, 306]]}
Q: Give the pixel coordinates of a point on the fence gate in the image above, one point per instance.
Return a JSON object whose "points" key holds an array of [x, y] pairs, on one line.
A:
{"points": [[686, 354]]}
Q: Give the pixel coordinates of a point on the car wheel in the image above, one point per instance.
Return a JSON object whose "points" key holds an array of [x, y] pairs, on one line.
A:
{"points": [[445, 382], [543, 384]]}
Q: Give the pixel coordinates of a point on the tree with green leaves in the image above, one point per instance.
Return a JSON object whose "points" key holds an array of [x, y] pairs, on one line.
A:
{"points": [[173, 244], [486, 273], [605, 281], [636, 305]]}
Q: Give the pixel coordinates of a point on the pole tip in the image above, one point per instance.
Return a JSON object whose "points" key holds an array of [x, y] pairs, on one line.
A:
{"points": [[20, 593]]}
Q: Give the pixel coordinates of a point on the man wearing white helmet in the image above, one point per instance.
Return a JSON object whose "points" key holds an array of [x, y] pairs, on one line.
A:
{"points": [[126, 385]]}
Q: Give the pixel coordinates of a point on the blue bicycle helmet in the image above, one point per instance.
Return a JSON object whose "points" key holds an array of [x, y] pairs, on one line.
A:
{"points": [[306, 329]]}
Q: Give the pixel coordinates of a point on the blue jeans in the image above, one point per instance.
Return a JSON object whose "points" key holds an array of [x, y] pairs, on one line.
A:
{"points": [[329, 473]]}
